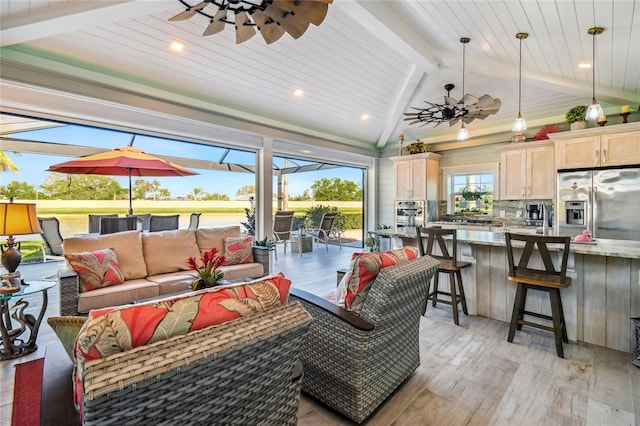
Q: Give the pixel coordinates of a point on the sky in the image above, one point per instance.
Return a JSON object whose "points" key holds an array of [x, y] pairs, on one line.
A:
{"points": [[32, 167]]}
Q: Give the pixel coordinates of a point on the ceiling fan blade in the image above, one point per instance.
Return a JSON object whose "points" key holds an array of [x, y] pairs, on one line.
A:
{"points": [[469, 100], [293, 25], [190, 12], [243, 32], [485, 100], [312, 11], [450, 101], [216, 24], [269, 29]]}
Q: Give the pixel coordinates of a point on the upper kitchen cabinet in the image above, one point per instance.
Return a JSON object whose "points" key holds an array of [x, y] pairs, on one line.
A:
{"points": [[527, 171], [416, 176], [617, 145]]}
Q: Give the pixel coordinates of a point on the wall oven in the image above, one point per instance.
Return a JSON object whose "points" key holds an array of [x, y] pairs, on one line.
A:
{"points": [[409, 213]]}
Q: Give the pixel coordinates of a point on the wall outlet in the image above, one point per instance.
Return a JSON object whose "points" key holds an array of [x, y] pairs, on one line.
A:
{"points": [[502, 213], [518, 214]]}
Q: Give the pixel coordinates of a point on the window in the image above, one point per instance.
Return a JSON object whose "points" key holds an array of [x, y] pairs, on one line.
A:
{"points": [[470, 188]]}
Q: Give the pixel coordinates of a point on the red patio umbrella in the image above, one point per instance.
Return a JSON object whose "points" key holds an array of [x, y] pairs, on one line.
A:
{"points": [[127, 161]]}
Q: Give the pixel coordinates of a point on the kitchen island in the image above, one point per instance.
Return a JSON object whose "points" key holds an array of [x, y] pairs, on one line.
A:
{"points": [[603, 296]]}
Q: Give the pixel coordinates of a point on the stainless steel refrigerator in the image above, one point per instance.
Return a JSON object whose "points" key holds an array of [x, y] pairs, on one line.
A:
{"points": [[605, 201]]}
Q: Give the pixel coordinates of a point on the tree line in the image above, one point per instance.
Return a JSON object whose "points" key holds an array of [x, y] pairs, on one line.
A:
{"points": [[97, 187]]}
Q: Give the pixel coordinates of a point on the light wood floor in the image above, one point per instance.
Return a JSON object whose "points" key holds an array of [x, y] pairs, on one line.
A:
{"points": [[469, 374]]}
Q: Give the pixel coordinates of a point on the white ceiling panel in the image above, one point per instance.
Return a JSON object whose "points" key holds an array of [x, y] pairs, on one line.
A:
{"points": [[375, 57]]}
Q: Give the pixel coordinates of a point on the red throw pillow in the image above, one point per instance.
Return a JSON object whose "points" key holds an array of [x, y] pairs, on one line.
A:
{"points": [[238, 250], [363, 271], [96, 269]]}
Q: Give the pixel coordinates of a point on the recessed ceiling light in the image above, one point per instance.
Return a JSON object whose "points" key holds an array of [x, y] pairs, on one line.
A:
{"points": [[298, 93], [584, 66], [364, 117], [176, 46], [306, 151]]}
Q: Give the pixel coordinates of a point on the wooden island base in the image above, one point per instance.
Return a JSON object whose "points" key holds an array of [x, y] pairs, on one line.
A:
{"points": [[603, 297]]}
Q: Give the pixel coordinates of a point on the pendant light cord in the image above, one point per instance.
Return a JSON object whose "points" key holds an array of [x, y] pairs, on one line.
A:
{"points": [[520, 81], [593, 66]]}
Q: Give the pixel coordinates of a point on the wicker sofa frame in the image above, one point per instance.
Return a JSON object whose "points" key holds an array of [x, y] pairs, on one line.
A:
{"points": [[236, 373], [353, 363]]}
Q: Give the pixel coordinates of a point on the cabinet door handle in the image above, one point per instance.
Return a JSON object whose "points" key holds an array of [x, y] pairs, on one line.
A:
{"points": [[595, 158], [604, 156], [523, 192], [528, 190]]}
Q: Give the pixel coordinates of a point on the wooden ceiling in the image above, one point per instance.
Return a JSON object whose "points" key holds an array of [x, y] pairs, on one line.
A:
{"points": [[368, 57]]}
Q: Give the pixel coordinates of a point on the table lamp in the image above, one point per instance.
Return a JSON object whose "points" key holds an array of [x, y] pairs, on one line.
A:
{"points": [[16, 219]]}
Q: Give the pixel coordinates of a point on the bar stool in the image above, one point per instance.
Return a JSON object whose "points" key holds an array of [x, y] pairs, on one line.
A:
{"points": [[448, 265], [547, 279]]}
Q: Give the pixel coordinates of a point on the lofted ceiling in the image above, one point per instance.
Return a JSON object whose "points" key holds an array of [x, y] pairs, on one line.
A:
{"points": [[377, 58]]}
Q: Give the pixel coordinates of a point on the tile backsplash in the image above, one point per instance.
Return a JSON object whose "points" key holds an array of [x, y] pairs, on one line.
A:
{"points": [[514, 211]]}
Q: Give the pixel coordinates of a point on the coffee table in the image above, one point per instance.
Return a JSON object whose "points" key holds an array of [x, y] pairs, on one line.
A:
{"points": [[14, 325]]}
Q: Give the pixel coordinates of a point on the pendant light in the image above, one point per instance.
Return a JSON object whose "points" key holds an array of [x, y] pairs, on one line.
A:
{"points": [[463, 133], [594, 112], [520, 125]]}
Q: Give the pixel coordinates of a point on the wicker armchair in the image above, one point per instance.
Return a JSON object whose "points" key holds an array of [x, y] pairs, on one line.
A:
{"points": [[354, 363], [243, 372]]}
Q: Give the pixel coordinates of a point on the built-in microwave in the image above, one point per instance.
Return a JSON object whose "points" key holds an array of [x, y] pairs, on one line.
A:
{"points": [[409, 213]]}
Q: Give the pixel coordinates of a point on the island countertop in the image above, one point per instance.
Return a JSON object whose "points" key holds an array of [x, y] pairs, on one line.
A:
{"points": [[602, 247]]}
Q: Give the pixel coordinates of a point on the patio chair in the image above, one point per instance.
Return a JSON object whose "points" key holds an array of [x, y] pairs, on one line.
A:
{"points": [[94, 222], [164, 222], [282, 222], [143, 220], [353, 363], [51, 238], [110, 225], [194, 220], [326, 230]]}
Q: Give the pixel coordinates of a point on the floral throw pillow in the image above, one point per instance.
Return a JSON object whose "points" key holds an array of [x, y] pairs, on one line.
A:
{"points": [[96, 269], [238, 250], [364, 269]]}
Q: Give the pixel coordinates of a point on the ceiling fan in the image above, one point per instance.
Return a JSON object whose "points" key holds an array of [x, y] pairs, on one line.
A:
{"points": [[466, 109], [452, 111], [271, 17]]}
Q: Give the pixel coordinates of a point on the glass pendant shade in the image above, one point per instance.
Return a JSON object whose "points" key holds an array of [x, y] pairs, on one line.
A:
{"points": [[594, 112], [519, 125], [463, 133]]}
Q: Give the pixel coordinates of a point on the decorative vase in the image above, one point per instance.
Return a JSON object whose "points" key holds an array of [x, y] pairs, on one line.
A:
{"points": [[578, 125]]}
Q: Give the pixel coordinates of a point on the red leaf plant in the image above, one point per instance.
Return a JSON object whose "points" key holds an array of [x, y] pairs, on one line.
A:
{"points": [[209, 274]]}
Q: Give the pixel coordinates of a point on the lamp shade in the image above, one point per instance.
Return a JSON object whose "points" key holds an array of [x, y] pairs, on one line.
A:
{"points": [[18, 219]]}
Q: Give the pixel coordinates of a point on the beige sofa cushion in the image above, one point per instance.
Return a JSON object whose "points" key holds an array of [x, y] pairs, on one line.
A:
{"points": [[127, 246], [168, 251], [208, 238], [122, 294]]}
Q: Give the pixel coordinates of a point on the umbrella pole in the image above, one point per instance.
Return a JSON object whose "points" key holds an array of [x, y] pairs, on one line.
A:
{"points": [[130, 205]]}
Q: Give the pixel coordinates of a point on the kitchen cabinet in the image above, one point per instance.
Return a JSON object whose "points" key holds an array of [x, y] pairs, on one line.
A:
{"points": [[416, 176], [527, 171], [617, 145]]}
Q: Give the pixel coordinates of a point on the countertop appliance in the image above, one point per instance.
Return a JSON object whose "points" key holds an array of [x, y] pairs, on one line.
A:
{"points": [[605, 201], [409, 213], [535, 215]]}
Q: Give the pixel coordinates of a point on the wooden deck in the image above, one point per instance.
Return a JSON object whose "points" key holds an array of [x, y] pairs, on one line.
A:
{"points": [[469, 374]]}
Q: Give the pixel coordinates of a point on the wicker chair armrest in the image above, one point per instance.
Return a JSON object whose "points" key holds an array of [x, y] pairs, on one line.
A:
{"points": [[68, 288], [331, 308]]}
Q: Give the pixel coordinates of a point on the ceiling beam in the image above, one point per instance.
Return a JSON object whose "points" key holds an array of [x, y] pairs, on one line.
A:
{"points": [[75, 16], [400, 104], [376, 17]]}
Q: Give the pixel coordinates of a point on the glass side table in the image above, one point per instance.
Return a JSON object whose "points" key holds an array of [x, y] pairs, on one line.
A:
{"points": [[15, 322]]}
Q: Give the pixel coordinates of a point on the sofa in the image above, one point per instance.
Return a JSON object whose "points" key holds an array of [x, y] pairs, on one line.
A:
{"points": [[203, 357], [355, 358], [134, 265]]}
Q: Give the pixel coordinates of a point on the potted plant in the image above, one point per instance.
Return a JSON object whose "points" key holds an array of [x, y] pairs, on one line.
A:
{"points": [[262, 253], [209, 274], [576, 117]]}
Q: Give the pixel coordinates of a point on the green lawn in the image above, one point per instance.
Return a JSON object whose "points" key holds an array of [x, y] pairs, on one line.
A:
{"points": [[31, 251]]}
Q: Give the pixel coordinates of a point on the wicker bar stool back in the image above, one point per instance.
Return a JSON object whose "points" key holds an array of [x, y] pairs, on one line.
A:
{"points": [[545, 278], [449, 265]]}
